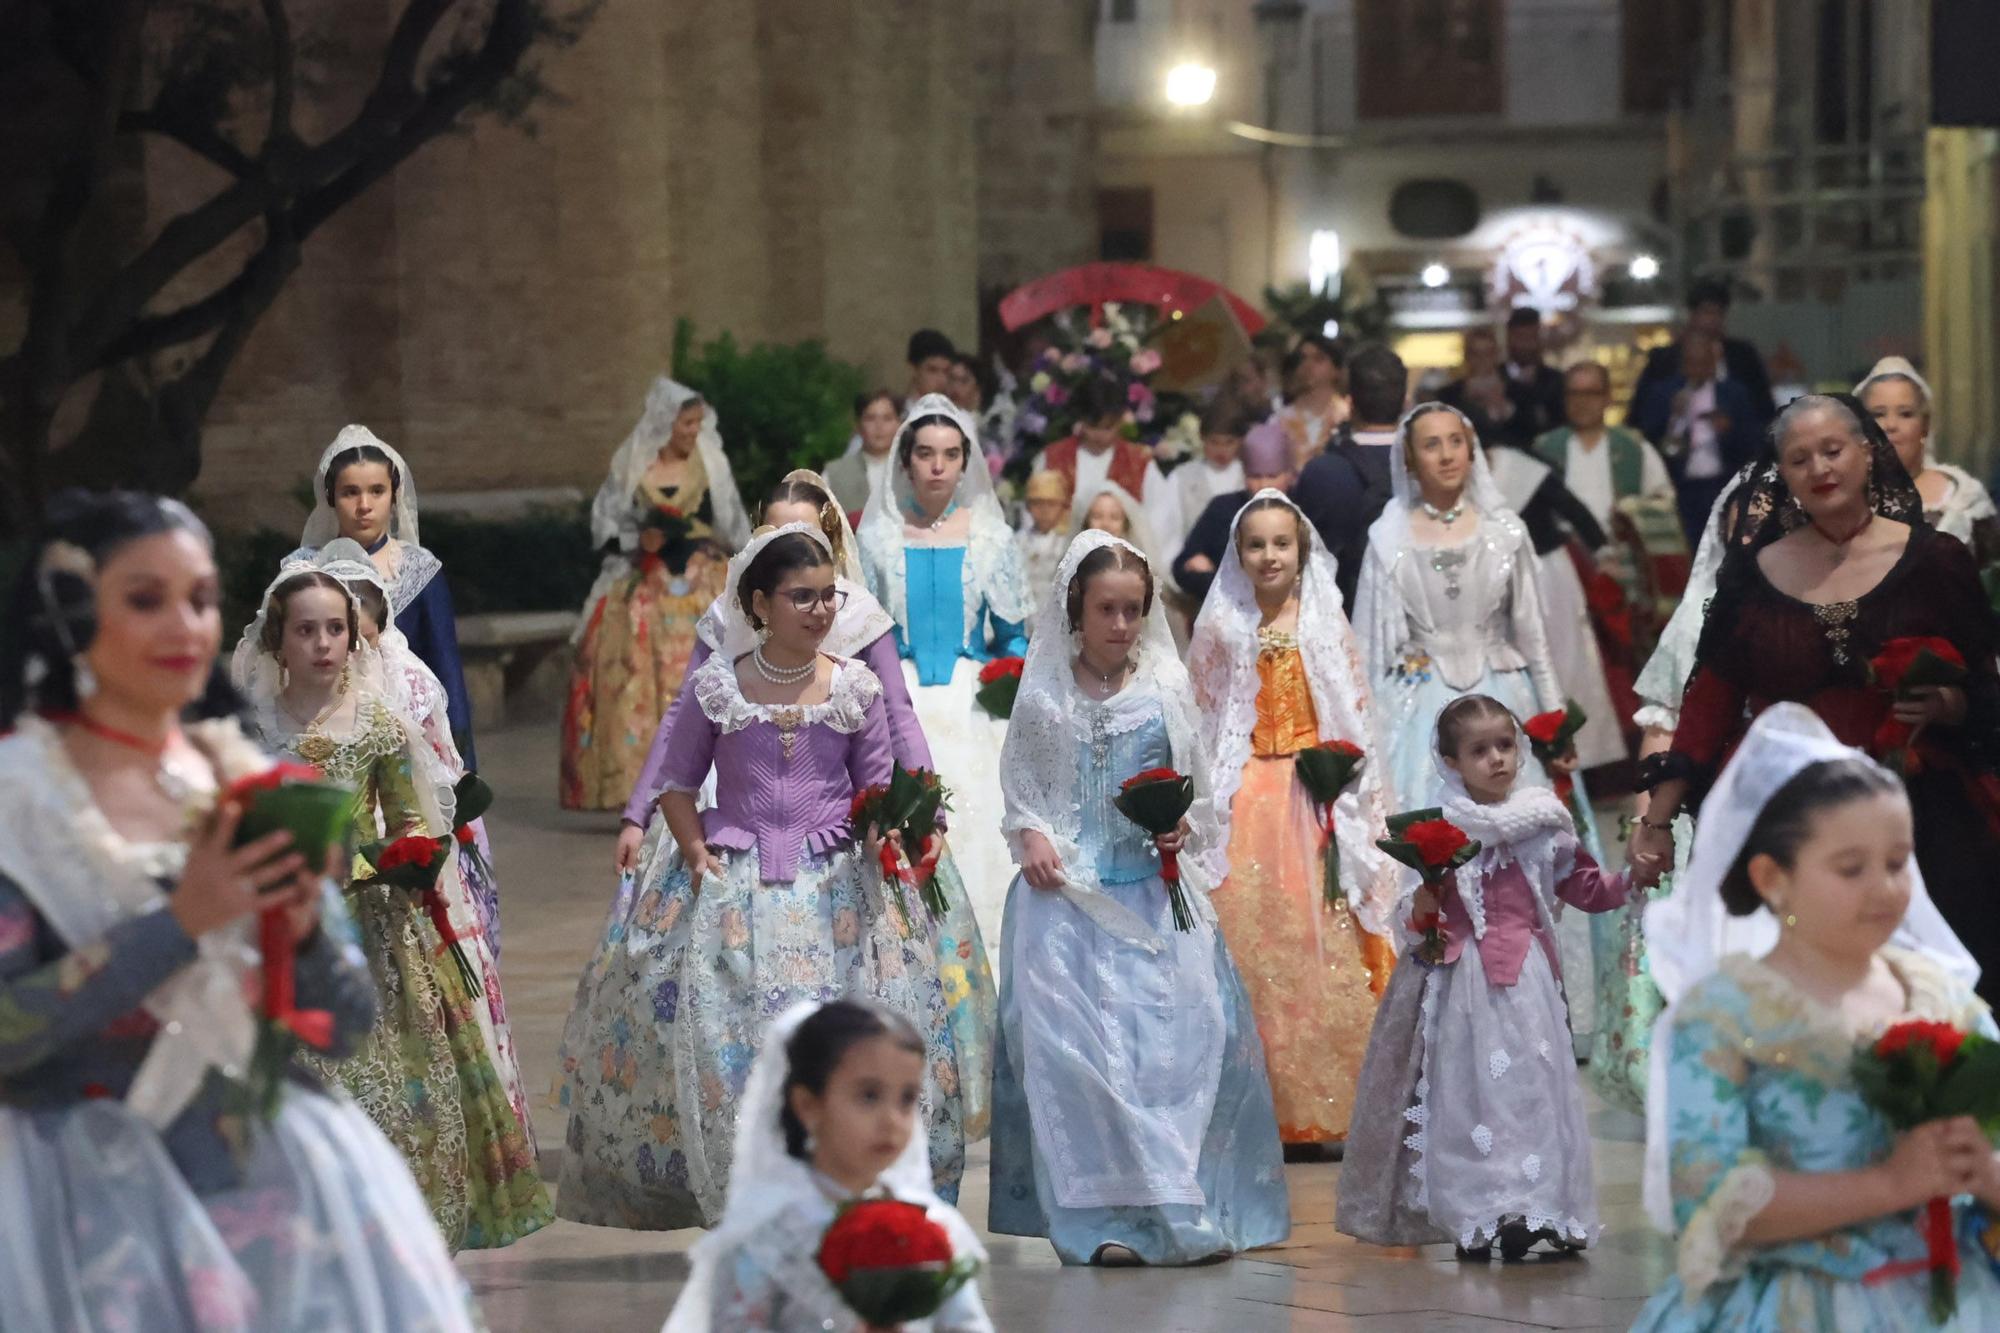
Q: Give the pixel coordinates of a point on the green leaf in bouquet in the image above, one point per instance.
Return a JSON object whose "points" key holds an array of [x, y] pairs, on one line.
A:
{"points": [[888, 1297], [1398, 823], [1157, 806], [1972, 1087], [316, 814], [473, 796]]}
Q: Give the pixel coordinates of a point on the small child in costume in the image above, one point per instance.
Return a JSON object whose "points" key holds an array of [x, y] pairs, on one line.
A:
{"points": [[1044, 538], [1469, 1120], [829, 1117]]}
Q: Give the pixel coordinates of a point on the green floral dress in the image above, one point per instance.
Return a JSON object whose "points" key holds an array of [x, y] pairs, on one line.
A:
{"points": [[422, 1073]]}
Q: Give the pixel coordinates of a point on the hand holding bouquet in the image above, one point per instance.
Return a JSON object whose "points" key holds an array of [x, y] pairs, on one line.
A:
{"points": [[1326, 771], [1918, 1072], [999, 682], [1434, 847], [1912, 668], [1552, 736], [664, 532], [472, 798], [908, 805], [890, 1262], [413, 863], [1157, 800]]}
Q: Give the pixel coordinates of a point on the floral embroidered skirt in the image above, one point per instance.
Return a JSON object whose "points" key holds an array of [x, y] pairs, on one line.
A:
{"points": [[1307, 967], [424, 1076], [671, 1010]]}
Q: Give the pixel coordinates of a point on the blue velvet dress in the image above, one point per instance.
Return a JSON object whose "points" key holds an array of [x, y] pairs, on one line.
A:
{"points": [[1153, 1026]]}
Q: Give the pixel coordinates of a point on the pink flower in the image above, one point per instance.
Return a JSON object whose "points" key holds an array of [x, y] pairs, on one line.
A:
{"points": [[1099, 338], [1075, 363], [1145, 361], [1138, 394], [1056, 394]]}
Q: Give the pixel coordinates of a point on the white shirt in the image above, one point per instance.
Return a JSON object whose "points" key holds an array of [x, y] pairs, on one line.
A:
{"points": [[1587, 473], [1093, 470], [1704, 451], [1188, 490]]}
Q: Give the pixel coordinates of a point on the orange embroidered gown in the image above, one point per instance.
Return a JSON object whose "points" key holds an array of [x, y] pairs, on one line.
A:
{"points": [[1312, 972]]}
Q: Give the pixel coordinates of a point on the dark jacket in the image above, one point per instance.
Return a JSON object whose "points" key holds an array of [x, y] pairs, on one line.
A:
{"points": [[1210, 537], [1741, 361], [1519, 429], [1739, 443], [1342, 491]]}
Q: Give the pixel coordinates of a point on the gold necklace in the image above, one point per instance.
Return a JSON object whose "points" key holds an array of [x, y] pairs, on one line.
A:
{"points": [[314, 745]]}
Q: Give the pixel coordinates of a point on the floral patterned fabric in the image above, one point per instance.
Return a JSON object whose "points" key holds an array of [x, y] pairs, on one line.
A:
{"points": [[1759, 1079], [423, 1073]]}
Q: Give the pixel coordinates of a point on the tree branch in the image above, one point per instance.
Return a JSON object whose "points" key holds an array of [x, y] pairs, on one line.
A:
{"points": [[154, 333], [279, 25], [204, 141]]}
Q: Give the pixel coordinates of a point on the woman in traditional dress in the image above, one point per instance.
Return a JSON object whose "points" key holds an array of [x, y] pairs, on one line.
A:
{"points": [[1449, 604], [413, 693], [367, 493], [1132, 1115], [863, 631], [1955, 503], [423, 1073], [666, 518], [133, 1189], [744, 910], [1828, 559], [939, 556], [1276, 671]]}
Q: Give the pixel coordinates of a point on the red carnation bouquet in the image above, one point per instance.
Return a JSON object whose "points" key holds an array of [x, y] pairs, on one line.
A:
{"points": [[909, 803], [317, 813], [1433, 846], [664, 534], [999, 682], [1552, 736], [1905, 667], [890, 1262], [1326, 770], [413, 863], [1157, 800], [471, 799], [1918, 1072]]}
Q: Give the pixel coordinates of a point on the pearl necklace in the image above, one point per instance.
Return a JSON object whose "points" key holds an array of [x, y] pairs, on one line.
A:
{"points": [[1444, 516], [778, 675]]}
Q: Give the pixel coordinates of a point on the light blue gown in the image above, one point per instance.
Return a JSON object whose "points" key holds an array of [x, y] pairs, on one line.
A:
{"points": [[1759, 1080], [1144, 999]]}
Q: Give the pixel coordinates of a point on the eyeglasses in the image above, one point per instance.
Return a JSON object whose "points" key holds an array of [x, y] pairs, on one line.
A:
{"points": [[805, 599]]}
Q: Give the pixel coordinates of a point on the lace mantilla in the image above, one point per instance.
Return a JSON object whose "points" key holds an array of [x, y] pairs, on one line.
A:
{"points": [[845, 709]]}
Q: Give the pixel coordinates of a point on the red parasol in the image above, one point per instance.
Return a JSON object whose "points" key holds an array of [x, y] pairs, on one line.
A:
{"points": [[1094, 284]]}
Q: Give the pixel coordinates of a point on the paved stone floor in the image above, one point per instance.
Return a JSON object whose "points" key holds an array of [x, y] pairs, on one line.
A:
{"points": [[556, 884]]}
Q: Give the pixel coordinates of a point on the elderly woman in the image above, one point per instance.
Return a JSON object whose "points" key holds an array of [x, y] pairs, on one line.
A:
{"points": [[1829, 561], [1955, 503]]}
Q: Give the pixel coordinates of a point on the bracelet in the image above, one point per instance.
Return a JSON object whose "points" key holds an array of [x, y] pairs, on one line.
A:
{"points": [[1654, 825]]}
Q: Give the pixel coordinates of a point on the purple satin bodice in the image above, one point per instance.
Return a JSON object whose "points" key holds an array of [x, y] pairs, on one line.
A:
{"points": [[785, 803]]}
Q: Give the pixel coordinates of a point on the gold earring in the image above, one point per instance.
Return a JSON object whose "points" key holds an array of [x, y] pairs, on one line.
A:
{"points": [[346, 676]]}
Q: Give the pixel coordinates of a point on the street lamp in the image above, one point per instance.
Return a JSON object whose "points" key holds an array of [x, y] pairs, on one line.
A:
{"points": [[1190, 84]]}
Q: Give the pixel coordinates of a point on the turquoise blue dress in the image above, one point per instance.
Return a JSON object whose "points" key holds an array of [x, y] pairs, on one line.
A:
{"points": [[938, 634], [1758, 1081], [1144, 999]]}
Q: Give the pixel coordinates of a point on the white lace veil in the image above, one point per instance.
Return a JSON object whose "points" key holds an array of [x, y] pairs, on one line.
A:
{"points": [[1222, 663], [1138, 527], [1897, 367], [1392, 530], [1689, 932], [613, 516], [860, 621], [764, 1179], [323, 524], [882, 520], [1664, 678], [1522, 830], [1038, 764], [728, 609]]}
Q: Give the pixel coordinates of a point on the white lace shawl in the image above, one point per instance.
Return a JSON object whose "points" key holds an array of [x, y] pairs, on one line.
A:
{"points": [[323, 524], [991, 576], [765, 1181], [83, 878], [614, 515], [1664, 678], [1139, 529], [1039, 778], [1222, 664], [1531, 829]]}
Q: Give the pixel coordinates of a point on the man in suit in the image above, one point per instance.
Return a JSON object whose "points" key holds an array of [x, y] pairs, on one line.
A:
{"points": [[1708, 312], [1501, 409], [1541, 382], [1267, 462], [1343, 490], [1705, 425]]}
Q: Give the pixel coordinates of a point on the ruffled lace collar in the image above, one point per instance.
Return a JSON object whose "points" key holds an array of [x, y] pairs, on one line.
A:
{"points": [[845, 708]]}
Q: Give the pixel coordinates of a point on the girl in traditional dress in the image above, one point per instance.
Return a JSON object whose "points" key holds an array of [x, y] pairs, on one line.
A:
{"points": [[367, 493], [423, 1073], [1955, 502], [1827, 559], [829, 1117], [1449, 604], [131, 1185], [666, 517], [1470, 1124], [415, 696], [863, 631], [940, 558], [744, 910], [1132, 1115], [1276, 671], [1799, 932]]}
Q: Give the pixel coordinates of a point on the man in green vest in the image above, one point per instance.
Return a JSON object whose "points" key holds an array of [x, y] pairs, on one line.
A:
{"points": [[1600, 463]]}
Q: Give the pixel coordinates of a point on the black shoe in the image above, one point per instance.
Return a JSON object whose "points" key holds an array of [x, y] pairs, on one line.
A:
{"points": [[1515, 1241], [1477, 1255]]}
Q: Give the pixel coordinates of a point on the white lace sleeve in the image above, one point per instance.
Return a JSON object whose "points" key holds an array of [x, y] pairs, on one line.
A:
{"points": [[1530, 626], [1379, 619], [1032, 794]]}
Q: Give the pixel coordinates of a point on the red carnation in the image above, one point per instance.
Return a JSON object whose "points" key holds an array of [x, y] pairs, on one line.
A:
{"points": [[1436, 840], [464, 835], [1899, 656], [1151, 775], [1345, 749], [271, 779], [410, 851], [881, 1233], [1942, 1038], [1545, 727], [999, 667]]}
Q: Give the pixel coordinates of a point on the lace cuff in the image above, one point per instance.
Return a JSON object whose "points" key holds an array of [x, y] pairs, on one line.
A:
{"points": [[1744, 1191], [1657, 717], [1666, 766]]}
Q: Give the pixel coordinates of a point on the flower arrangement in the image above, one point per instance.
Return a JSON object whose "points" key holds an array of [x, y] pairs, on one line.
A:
{"points": [[1434, 847], [472, 798], [665, 535], [1113, 350], [413, 863], [999, 683], [1905, 667], [891, 1264], [1325, 771], [1157, 800], [908, 804], [1552, 736], [1917, 1072]]}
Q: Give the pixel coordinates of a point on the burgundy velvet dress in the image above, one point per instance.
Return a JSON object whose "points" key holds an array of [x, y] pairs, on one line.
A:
{"points": [[1761, 646]]}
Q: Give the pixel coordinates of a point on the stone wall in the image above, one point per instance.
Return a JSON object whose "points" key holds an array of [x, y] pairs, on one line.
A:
{"points": [[496, 309]]}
